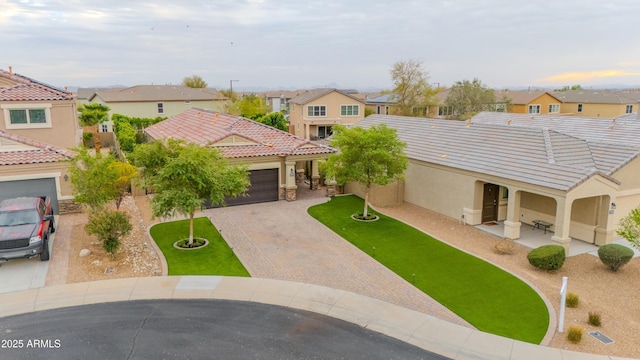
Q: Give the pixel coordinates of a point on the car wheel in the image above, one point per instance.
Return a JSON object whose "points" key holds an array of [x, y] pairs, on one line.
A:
{"points": [[44, 255]]}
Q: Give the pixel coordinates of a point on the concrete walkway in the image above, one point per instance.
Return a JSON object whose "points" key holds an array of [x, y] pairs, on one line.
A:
{"points": [[422, 330]]}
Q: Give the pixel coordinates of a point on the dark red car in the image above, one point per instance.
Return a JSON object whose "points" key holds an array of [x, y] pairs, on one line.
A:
{"points": [[25, 226]]}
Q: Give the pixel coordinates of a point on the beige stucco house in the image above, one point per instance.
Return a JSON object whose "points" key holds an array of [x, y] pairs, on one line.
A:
{"points": [[527, 102], [38, 124], [598, 103], [277, 160], [480, 172], [151, 101], [313, 113]]}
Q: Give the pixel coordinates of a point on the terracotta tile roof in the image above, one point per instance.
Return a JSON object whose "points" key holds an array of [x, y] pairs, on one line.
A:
{"points": [[157, 93], [252, 139], [21, 150], [21, 88]]}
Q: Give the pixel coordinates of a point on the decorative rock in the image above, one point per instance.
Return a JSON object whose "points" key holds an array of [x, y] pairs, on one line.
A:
{"points": [[85, 252], [97, 262]]}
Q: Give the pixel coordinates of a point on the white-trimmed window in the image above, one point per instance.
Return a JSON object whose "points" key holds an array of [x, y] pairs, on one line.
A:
{"points": [[554, 108], [160, 108], [534, 109], [105, 128], [316, 110], [445, 110], [27, 116], [579, 108], [349, 110], [629, 109]]}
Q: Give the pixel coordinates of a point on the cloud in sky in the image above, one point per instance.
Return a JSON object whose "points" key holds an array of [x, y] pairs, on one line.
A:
{"points": [[288, 43]]}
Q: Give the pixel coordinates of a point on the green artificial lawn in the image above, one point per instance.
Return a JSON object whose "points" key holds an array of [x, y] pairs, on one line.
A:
{"points": [[489, 298], [217, 258]]}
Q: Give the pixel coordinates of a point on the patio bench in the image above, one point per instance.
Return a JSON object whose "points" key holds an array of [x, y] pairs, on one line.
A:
{"points": [[539, 224]]}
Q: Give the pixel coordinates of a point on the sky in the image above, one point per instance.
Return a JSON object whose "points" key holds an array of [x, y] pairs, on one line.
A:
{"points": [[287, 44]]}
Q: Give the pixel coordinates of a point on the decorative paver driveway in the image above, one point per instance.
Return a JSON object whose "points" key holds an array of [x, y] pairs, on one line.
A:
{"points": [[280, 240]]}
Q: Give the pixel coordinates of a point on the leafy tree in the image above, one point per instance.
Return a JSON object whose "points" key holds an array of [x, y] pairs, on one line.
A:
{"points": [[411, 91], [630, 227], [572, 87], [373, 156], [98, 180], [250, 106], [233, 96], [109, 227], [194, 81], [276, 120], [93, 114], [467, 98], [185, 175]]}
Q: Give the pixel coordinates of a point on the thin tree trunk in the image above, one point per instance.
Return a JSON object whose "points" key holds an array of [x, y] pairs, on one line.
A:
{"points": [[96, 139], [366, 203], [191, 229]]}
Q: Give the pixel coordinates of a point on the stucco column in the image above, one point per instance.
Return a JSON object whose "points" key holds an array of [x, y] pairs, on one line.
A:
{"points": [[306, 131], [563, 222], [512, 223], [604, 229], [290, 183], [299, 171], [315, 175]]}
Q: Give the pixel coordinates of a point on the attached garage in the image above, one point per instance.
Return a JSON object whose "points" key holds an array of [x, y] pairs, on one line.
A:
{"points": [[31, 187], [263, 188]]}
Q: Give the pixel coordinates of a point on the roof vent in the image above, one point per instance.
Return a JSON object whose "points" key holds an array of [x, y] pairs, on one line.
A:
{"points": [[509, 122]]}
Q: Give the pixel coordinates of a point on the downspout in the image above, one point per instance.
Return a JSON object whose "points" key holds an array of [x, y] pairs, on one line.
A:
{"points": [[596, 218]]}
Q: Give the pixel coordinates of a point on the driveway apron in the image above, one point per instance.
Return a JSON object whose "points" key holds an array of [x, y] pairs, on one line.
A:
{"points": [[280, 240]]}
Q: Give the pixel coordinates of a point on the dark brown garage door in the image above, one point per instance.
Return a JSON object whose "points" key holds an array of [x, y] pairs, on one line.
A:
{"points": [[263, 188]]}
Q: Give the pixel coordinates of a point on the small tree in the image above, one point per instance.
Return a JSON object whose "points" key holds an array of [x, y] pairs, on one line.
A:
{"points": [[93, 114], [411, 88], [184, 176], [250, 106], [109, 227], [97, 180], [466, 98], [276, 120], [194, 81], [630, 227], [373, 156]]}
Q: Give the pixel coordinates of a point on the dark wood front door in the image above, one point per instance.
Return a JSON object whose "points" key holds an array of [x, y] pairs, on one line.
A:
{"points": [[490, 202]]}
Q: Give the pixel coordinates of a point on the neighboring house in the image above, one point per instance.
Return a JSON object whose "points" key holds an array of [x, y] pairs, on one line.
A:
{"points": [[383, 104], [276, 159], [38, 123], [151, 101], [598, 103], [527, 102], [313, 113], [279, 100], [477, 173]]}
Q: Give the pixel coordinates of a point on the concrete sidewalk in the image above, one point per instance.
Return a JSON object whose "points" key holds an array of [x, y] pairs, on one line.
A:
{"points": [[425, 331]]}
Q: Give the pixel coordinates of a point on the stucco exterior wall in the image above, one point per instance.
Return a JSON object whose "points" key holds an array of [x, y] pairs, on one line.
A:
{"points": [[544, 101], [298, 115], [150, 109], [628, 196], [595, 110], [64, 130], [379, 196], [55, 170]]}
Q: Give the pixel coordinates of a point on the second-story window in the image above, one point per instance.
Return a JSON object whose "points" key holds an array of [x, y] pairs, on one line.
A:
{"points": [[554, 108], [26, 116], [629, 109], [105, 128], [349, 110], [579, 108], [316, 110], [160, 108], [534, 109]]}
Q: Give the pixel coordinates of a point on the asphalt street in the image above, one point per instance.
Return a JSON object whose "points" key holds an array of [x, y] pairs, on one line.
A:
{"points": [[193, 329]]}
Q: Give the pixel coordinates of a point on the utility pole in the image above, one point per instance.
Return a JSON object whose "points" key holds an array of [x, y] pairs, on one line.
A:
{"points": [[231, 86]]}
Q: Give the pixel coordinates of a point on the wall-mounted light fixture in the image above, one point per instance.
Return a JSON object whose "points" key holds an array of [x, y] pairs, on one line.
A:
{"points": [[66, 177], [291, 173], [613, 205]]}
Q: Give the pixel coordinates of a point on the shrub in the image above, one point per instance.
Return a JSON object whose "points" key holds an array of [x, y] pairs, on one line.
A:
{"points": [[575, 334], [548, 257], [87, 139], [594, 318], [572, 300], [504, 247], [109, 226], [615, 256]]}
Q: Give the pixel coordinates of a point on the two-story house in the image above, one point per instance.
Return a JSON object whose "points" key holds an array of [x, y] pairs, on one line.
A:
{"points": [[313, 113], [527, 102], [151, 101], [279, 100], [38, 124]]}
